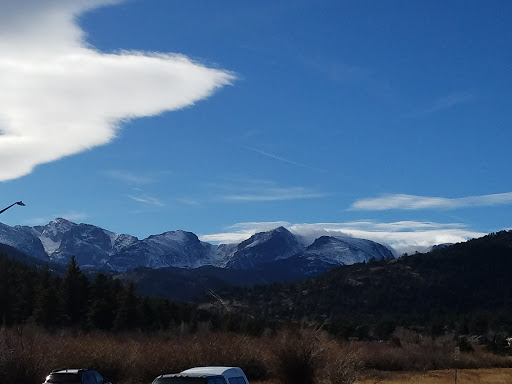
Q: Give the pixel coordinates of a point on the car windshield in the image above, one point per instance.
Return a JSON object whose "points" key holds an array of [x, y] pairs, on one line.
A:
{"points": [[180, 380], [64, 378]]}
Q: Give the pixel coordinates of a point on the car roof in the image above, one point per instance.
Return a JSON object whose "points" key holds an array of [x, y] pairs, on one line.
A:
{"points": [[227, 372], [214, 371], [71, 370]]}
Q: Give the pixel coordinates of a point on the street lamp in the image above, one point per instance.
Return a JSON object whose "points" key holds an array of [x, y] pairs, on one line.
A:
{"points": [[16, 203]]}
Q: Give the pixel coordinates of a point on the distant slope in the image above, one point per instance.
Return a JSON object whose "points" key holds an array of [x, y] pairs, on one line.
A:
{"points": [[16, 254], [457, 279]]}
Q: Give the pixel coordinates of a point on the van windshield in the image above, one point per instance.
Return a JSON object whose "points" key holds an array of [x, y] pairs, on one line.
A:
{"points": [[64, 378]]}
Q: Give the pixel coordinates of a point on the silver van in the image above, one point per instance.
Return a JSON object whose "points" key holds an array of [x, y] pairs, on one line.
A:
{"points": [[205, 375]]}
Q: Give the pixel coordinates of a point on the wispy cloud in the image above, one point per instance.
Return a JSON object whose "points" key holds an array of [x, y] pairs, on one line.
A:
{"points": [[73, 216], [240, 189], [347, 74], [147, 200], [276, 194], [411, 202], [188, 201], [59, 96], [282, 159], [130, 177], [443, 103], [402, 236], [242, 231]]}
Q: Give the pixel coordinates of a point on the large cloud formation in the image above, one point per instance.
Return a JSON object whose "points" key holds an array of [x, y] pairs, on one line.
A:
{"points": [[59, 96]]}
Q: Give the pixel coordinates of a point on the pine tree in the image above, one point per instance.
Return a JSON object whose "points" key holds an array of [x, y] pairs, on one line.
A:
{"points": [[102, 304], [46, 304], [74, 294], [126, 317]]}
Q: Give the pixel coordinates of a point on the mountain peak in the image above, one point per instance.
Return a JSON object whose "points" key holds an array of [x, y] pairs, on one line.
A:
{"points": [[56, 226], [280, 229], [346, 250], [262, 247], [61, 220]]}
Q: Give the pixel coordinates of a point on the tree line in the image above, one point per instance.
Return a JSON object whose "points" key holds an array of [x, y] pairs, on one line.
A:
{"points": [[38, 295]]}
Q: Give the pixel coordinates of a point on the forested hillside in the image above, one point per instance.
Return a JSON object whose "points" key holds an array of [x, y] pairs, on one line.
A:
{"points": [[465, 287], [36, 294]]}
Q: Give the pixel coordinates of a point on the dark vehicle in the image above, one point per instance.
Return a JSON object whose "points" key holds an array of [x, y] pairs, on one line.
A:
{"points": [[75, 376], [205, 375]]}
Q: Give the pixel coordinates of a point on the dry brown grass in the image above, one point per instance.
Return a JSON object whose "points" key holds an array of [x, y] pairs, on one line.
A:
{"points": [[466, 376], [28, 354]]}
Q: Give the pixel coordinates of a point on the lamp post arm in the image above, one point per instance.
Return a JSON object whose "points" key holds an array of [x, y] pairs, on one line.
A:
{"points": [[5, 209], [16, 203]]}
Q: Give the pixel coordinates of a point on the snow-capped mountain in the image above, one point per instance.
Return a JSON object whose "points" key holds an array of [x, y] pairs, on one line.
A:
{"points": [[345, 250], [169, 249], [328, 252], [92, 246], [97, 248], [264, 247]]}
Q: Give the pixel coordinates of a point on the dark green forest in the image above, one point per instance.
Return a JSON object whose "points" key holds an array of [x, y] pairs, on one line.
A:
{"points": [[36, 294]]}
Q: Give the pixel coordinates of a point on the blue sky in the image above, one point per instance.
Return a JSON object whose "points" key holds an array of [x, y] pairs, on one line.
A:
{"points": [[385, 120]]}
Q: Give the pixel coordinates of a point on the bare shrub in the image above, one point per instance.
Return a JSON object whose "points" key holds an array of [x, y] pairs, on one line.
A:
{"points": [[407, 336], [343, 362], [298, 356], [410, 357]]}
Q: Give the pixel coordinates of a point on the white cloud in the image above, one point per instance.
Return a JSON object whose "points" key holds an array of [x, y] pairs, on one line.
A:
{"points": [[280, 158], [411, 202], [73, 216], [59, 96], [242, 231], [276, 194], [132, 177], [402, 236], [148, 200]]}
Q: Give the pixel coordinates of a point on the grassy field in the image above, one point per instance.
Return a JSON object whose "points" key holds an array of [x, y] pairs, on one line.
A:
{"points": [[286, 357], [464, 376]]}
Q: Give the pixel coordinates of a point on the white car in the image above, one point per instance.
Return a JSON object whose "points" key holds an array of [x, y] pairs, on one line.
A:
{"points": [[205, 375]]}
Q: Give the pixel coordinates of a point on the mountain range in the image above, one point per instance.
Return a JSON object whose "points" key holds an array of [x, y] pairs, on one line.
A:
{"points": [[96, 248]]}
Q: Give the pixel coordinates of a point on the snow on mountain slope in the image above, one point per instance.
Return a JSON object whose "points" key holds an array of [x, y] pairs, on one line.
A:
{"points": [[97, 248], [264, 247], [169, 249], [51, 234], [22, 239], [345, 251]]}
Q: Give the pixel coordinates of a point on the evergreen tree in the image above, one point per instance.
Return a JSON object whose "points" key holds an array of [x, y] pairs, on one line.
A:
{"points": [[74, 294], [126, 317], [5, 293], [102, 305], [46, 304]]}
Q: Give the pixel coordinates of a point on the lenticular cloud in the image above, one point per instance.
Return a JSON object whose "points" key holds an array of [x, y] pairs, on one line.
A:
{"points": [[58, 96]]}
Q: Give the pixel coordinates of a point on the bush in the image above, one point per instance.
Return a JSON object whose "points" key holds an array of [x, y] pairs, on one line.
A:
{"points": [[343, 364], [298, 356]]}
